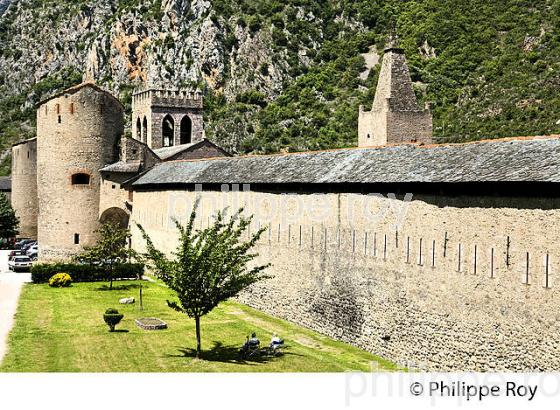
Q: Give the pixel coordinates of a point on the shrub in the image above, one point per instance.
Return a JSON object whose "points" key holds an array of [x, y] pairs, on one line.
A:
{"points": [[253, 97], [60, 280], [112, 317], [42, 272]]}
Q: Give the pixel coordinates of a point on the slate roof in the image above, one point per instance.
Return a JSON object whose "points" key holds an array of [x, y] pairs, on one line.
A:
{"points": [[122, 166], [78, 87], [5, 184], [24, 141], [507, 160], [168, 152]]}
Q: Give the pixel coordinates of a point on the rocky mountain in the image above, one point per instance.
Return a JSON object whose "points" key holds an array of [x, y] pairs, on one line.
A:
{"points": [[290, 75], [4, 5]]}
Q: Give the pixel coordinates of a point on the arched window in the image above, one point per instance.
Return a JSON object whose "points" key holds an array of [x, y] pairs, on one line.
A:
{"points": [[168, 131], [80, 178], [186, 130], [145, 131], [138, 129]]}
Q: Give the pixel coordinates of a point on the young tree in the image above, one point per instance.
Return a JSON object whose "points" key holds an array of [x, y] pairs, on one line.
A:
{"points": [[9, 222], [209, 265], [110, 249]]}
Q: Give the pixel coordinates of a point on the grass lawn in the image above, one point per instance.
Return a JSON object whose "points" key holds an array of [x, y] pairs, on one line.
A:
{"points": [[62, 330]]}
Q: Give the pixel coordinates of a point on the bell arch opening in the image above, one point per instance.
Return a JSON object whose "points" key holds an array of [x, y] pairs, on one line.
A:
{"points": [[138, 129], [145, 131], [186, 130], [168, 131]]}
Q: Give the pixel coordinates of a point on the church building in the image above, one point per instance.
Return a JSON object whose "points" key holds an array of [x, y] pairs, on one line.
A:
{"points": [[408, 249]]}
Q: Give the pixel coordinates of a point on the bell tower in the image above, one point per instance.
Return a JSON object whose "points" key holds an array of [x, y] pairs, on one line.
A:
{"points": [[164, 118]]}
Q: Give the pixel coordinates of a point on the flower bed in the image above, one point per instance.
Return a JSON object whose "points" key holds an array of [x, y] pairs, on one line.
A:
{"points": [[150, 323]]}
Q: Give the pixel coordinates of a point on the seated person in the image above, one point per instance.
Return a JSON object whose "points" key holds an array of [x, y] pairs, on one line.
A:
{"points": [[253, 341], [275, 341]]}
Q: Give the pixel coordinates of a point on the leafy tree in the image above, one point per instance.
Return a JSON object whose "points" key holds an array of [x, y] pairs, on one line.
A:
{"points": [[8, 220], [110, 249], [209, 266]]}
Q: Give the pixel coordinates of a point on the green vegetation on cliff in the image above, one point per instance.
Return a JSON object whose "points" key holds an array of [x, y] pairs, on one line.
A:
{"points": [[285, 75], [490, 69]]}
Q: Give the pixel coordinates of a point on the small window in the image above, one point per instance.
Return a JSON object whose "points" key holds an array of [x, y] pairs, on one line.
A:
{"points": [[58, 108], [71, 108], [27, 154], [80, 179], [76, 239], [59, 119], [113, 186]]}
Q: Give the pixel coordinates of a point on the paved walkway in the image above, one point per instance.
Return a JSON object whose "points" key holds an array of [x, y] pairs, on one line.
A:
{"points": [[10, 288]]}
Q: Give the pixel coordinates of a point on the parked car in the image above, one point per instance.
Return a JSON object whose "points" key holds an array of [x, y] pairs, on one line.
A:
{"points": [[33, 251], [28, 245], [20, 263], [15, 253], [22, 242]]}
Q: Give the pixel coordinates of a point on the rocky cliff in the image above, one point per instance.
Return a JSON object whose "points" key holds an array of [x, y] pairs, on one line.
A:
{"points": [[4, 5], [290, 75], [169, 42]]}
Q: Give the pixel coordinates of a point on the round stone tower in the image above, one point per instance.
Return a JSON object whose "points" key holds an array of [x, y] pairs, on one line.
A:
{"points": [[77, 134], [24, 187]]}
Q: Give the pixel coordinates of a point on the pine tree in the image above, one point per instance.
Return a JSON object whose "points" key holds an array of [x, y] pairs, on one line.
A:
{"points": [[9, 222], [209, 266]]}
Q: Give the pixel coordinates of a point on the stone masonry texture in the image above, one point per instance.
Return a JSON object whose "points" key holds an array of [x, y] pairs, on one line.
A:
{"points": [[77, 132], [359, 268], [395, 116], [24, 187], [150, 107]]}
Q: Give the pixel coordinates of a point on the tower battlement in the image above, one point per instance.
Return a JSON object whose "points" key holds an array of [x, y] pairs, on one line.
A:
{"points": [[165, 117], [168, 98]]}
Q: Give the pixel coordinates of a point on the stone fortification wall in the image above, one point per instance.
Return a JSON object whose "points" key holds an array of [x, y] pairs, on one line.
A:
{"points": [[438, 283]]}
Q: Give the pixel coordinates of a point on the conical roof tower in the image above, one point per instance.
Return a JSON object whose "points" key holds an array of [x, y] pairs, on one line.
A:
{"points": [[395, 116]]}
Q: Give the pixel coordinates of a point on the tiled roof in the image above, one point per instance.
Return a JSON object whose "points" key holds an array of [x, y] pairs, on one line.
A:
{"points": [[25, 141], [510, 160], [122, 166], [168, 152], [76, 88]]}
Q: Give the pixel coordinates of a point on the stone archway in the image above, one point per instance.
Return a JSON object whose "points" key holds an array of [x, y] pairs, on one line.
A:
{"points": [[186, 130], [144, 138], [138, 129], [168, 131], [116, 216]]}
